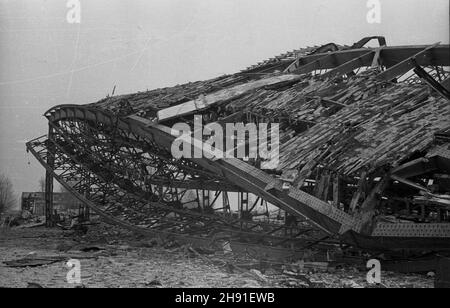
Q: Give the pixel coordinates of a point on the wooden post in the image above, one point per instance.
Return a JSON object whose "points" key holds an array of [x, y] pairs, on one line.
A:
{"points": [[359, 191], [336, 190]]}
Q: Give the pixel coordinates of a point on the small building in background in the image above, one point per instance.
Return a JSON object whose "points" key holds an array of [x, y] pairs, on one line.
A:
{"points": [[63, 203]]}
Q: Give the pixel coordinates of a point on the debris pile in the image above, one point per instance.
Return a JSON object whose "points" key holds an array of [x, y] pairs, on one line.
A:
{"points": [[27, 260]]}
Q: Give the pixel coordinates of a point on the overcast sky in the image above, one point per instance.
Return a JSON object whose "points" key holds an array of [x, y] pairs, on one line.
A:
{"points": [[145, 44]]}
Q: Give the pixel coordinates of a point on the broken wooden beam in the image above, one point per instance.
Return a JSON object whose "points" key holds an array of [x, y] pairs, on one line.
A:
{"points": [[206, 101]]}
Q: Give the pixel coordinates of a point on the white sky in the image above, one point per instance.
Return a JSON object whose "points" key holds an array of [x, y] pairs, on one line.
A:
{"points": [[144, 44]]}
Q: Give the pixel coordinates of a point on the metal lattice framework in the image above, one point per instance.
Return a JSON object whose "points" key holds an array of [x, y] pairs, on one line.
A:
{"points": [[114, 156], [132, 182]]}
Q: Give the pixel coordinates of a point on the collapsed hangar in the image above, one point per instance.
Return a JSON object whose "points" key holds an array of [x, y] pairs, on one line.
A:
{"points": [[364, 153]]}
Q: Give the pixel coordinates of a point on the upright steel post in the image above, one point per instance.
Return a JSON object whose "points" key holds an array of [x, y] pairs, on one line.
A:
{"points": [[49, 221]]}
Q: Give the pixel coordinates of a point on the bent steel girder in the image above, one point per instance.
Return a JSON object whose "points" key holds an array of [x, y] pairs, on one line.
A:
{"points": [[294, 201], [133, 158], [131, 211], [227, 168], [73, 138]]}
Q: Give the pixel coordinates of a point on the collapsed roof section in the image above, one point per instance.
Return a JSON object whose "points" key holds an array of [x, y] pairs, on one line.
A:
{"points": [[364, 137]]}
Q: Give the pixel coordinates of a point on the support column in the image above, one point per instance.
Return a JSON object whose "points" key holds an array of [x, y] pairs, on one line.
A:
{"points": [[84, 212], [243, 205], [49, 221], [226, 202], [205, 199]]}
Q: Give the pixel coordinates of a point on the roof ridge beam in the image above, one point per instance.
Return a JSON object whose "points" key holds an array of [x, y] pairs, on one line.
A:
{"points": [[315, 65], [406, 65], [363, 60]]}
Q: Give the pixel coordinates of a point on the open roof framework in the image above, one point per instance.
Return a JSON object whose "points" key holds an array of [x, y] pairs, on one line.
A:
{"points": [[365, 153]]}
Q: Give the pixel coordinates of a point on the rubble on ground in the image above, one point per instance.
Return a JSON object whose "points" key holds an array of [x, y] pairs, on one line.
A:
{"points": [[112, 257]]}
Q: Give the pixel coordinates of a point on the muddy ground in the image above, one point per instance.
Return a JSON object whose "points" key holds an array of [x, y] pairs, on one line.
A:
{"points": [[112, 258]]}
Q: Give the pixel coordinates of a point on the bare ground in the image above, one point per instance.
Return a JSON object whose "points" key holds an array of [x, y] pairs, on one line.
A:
{"points": [[125, 260]]}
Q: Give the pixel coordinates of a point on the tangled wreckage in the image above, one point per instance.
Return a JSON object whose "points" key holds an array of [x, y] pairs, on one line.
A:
{"points": [[364, 154]]}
